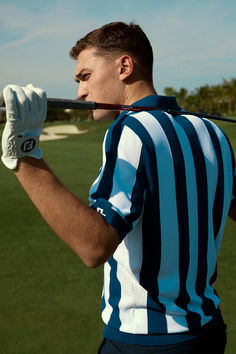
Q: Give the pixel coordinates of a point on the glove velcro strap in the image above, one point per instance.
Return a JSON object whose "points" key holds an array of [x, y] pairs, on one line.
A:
{"points": [[27, 144], [22, 146]]}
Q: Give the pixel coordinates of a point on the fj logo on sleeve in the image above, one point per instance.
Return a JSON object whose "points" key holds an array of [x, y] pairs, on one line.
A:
{"points": [[28, 145], [101, 211]]}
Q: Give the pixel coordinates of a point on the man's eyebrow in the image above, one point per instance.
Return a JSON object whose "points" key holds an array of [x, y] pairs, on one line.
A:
{"points": [[81, 73]]}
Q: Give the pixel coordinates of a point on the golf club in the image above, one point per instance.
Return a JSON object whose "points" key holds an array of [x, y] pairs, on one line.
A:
{"points": [[89, 105]]}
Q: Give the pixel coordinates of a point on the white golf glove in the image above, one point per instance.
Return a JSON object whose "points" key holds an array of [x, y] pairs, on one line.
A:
{"points": [[26, 109]]}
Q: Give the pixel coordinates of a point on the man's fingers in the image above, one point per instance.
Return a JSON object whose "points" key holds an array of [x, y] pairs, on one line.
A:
{"points": [[21, 101], [34, 101], [31, 86], [38, 96], [41, 93], [10, 101], [17, 98]]}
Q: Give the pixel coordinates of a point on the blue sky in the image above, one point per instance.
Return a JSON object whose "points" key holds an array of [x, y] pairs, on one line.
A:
{"points": [[193, 40]]}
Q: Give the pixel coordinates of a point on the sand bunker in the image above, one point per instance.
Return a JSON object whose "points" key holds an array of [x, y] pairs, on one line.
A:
{"points": [[60, 132]]}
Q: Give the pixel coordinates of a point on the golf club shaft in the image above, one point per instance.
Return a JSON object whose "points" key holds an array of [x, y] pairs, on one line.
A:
{"points": [[90, 106]]}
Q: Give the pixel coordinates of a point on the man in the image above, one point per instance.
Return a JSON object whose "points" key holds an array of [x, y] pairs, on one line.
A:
{"points": [[158, 207]]}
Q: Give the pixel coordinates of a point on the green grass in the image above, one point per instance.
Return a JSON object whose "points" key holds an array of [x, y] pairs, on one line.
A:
{"points": [[49, 301]]}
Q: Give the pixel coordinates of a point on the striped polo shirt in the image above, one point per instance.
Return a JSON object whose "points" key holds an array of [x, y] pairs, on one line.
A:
{"points": [[166, 184]]}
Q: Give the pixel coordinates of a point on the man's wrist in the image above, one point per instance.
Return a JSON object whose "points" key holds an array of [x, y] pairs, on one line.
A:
{"points": [[29, 161]]}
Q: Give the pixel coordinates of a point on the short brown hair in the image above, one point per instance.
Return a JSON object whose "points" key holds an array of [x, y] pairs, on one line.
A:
{"points": [[116, 38]]}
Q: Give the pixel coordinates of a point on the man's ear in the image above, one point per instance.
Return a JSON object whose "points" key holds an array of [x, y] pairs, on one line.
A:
{"points": [[126, 67]]}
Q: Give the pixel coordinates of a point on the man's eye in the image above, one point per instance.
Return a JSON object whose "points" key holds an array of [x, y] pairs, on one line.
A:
{"points": [[86, 76]]}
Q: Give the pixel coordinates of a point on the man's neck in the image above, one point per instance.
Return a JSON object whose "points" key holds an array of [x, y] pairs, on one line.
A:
{"points": [[137, 91]]}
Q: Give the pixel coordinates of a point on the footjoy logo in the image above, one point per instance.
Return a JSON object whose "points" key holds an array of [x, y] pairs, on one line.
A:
{"points": [[28, 145]]}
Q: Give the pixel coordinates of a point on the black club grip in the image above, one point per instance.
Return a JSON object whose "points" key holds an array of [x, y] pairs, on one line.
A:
{"points": [[71, 104]]}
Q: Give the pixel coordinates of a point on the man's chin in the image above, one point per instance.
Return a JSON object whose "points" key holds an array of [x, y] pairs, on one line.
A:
{"points": [[101, 115]]}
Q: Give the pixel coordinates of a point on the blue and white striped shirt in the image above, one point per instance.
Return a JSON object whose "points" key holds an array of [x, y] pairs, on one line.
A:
{"points": [[165, 185]]}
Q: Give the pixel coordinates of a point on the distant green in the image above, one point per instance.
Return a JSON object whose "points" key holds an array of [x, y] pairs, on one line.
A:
{"points": [[49, 301]]}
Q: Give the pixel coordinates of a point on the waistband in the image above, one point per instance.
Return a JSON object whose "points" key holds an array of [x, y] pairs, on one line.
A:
{"points": [[162, 339]]}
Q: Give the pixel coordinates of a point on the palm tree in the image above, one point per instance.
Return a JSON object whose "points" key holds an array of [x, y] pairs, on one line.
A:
{"points": [[181, 96], [229, 88], [219, 98], [169, 91]]}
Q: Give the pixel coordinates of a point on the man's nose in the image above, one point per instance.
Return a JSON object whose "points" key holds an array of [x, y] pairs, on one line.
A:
{"points": [[82, 92]]}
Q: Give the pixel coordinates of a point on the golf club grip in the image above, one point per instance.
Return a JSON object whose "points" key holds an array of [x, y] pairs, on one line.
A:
{"points": [[71, 104], [63, 103]]}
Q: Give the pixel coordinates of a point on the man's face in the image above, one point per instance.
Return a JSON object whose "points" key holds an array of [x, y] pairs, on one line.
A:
{"points": [[98, 80]]}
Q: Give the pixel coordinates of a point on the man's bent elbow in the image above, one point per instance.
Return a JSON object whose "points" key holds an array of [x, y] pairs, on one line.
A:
{"points": [[94, 263], [232, 213], [95, 259], [98, 253]]}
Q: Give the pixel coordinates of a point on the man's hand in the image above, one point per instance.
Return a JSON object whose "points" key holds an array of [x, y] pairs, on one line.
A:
{"points": [[26, 109]]}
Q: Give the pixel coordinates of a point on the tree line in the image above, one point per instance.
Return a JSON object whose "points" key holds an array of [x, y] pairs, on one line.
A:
{"points": [[215, 99]]}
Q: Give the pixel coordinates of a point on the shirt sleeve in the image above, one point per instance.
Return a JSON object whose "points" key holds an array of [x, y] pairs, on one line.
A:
{"points": [[119, 190]]}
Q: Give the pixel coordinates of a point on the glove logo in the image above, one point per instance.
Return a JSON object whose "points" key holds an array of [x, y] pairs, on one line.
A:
{"points": [[28, 145]]}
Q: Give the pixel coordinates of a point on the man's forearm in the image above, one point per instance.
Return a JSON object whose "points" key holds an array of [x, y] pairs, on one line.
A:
{"points": [[81, 227]]}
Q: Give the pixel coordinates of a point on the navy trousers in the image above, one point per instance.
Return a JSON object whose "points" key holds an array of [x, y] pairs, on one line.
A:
{"points": [[211, 342]]}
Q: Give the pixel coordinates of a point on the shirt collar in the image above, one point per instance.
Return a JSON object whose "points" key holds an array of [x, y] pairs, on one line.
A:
{"points": [[158, 101]]}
